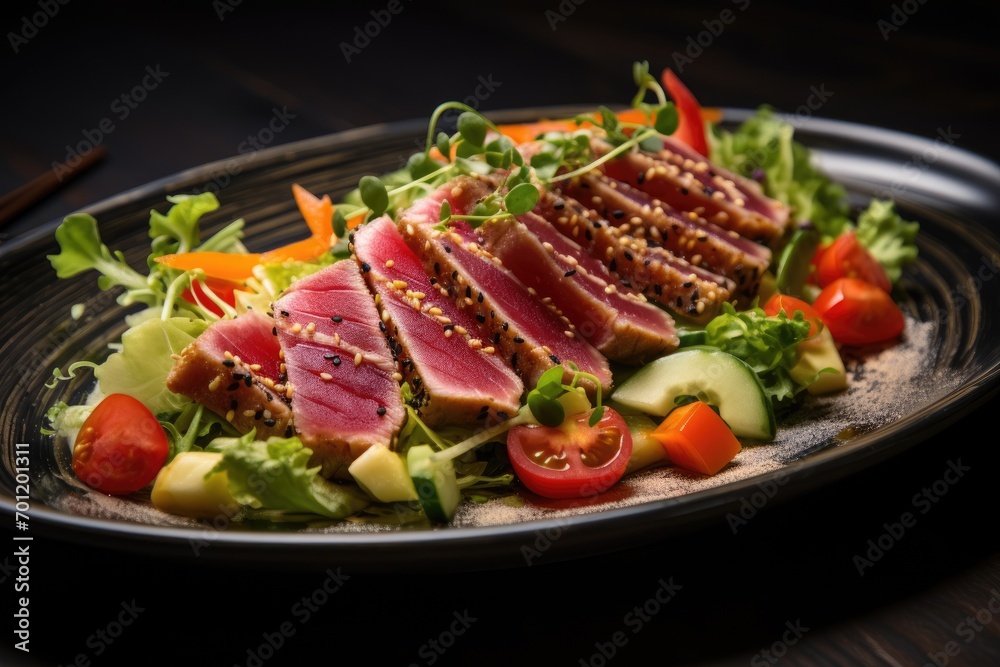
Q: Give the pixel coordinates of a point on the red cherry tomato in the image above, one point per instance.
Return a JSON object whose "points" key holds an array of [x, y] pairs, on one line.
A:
{"points": [[224, 289], [790, 304], [859, 313], [847, 258], [121, 447], [573, 460]]}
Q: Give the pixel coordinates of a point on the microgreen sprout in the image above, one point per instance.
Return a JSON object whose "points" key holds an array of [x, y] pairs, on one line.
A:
{"points": [[545, 406]]}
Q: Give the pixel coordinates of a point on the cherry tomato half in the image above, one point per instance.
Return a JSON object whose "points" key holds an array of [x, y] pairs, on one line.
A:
{"points": [[573, 460], [847, 258], [121, 447], [790, 304], [859, 313]]}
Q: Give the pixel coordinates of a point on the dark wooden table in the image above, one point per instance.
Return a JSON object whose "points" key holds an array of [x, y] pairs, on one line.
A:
{"points": [[205, 81]]}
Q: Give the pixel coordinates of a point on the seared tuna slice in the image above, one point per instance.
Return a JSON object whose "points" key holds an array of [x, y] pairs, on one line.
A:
{"points": [[619, 323], [695, 239], [521, 326], [734, 186], [695, 185], [341, 377], [456, 377], [231, 369], [687, 290]]}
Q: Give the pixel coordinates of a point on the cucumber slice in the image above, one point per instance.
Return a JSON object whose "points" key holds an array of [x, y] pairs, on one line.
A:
{"points": [[689, 337], [793, 265], [724, 380], [435, 481]]}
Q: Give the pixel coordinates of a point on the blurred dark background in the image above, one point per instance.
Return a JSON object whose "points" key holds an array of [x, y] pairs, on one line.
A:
{"points": [[213, 74]]}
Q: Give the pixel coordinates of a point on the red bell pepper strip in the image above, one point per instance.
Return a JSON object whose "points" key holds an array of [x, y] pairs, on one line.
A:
{"points": [[691, 124]]}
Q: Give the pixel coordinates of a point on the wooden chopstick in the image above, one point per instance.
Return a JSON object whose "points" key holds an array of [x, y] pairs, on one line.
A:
{"points": [[34, 191]]}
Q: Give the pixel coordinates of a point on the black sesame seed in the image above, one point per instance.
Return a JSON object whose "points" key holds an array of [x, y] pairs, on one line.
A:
{"points": [[641, 178], [569, 273], [381, 327], [613, 266], [618, 214], [269, 397], [626, 283], [504, 326], [480, 318], [513, 360], [554, 359], [658, 288], [480, 297], [233, 387], [229, 362], [433, 280], [366, 267], [688, 285], [496, 338], [449, 327], [270, 422], [258, 415], [285, 313], [437, 268], [518, 340], [482, 415], [684, 191], [248, 381], [288, 431], [274, 331], [447, 249], [502, 415], [337, 318], [381, 411], [628, 256], [559, 206], [233, 405], [468, 291]]}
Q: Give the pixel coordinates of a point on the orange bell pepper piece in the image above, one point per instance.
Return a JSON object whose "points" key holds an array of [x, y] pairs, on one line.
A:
{"points": [[696, 438]]}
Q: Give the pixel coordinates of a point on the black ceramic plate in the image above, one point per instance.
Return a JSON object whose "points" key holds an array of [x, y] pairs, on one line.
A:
{"points": [[948, 364]]}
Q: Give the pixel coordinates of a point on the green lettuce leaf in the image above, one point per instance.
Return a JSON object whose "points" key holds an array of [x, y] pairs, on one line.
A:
{"points": [[140, 369], [767, 344], [764, 142], [275, 475], [81, 249], [178, 230], [888, 237]]}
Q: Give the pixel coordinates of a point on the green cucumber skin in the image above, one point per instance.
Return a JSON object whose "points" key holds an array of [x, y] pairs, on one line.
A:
{"points": [[438, 498], [749, 415]]}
